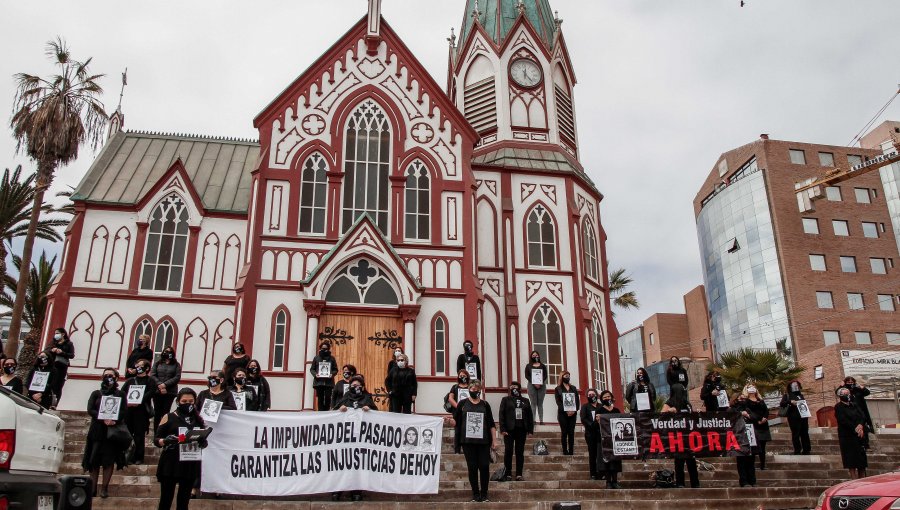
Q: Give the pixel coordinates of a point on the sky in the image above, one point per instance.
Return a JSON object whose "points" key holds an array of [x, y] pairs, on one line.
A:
{"points": [[664, 87]]}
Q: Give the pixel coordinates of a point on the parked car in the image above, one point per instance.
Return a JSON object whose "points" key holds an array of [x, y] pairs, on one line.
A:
{"points": [[880, 492], [31, 450]]}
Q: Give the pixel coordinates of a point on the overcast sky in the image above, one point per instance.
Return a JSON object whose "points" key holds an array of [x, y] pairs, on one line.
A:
{"points": [[664, 87]]}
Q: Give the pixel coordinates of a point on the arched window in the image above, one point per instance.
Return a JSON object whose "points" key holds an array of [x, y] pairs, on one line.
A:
{"points": [[440, 345], [546, 339], [598, 349], [165, 337], [145, 327], [166, 245], [418, 202], [279, 336], [312, 195], [589, 244], [541, 234], [366, 166], [362, 282]]}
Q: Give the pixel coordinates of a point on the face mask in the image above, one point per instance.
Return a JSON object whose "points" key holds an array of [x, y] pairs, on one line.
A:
{"points": [[185, 408], [213, 381], [795, 387], [58, 337], [674, 363], [468, 347], [43, 361], [475, 394], [240, 381], [140, 369], [324, 352], [845, 398], [253, 370], [357, 390], [566, 379], [640, 377], [607, 402], [10, 369], [238, 350], [464, 379], [849, 384], [751, 391], [169, 355], [401, 364], [592, 399], [535, 358], [515, 392], [346, 375], [109, 380]]}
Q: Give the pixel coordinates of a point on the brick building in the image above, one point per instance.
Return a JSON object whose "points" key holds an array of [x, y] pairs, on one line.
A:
{"points": [[823, 281]]}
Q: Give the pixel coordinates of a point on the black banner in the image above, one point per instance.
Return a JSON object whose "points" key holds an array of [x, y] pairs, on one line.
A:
{"points": [[651, 435]]}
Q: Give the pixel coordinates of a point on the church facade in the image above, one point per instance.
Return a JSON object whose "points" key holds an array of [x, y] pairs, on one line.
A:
{"points": [[378, 209]]}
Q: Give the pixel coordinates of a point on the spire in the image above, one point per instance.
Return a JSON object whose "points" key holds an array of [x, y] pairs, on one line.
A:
{"points": [[373, 33], [117, 119], [497, 18]]}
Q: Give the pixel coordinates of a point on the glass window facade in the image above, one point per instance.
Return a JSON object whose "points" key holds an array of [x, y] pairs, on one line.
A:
{"points": [[890, 179], [746, 294], [631, 353]]}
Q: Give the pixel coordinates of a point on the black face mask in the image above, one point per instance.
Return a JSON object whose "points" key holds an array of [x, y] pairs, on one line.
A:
{"points": [[640, 377], [185, 409], [238, 350], [474, 394], [42, 362], [357, 390], [240, 381], [109, 380], [324, 353], [253, 370], [213, 381], [347, 375], [140, 369], [468, 348], [592, 399], [849, 385], [607, 402], [169, 356], [515, 392], [9, 370], [464, 379], [845, 398], [566, 379]]}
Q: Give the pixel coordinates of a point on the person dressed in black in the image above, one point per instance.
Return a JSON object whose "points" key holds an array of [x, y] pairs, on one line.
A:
{"points": [[392, 364], [343, 386], [476, 432], [260, 385], [851, 423], [678, 403], [356, 398], [237, 359], [324, 368], [459, 391], [746, 464], [799, 425], [676, 373], [536, 380], [758, 408], [589, 419], [47, 372], [167, 372], [641, 384], [608, 469], [141, 351], [242, 393], [217, 392], [177, 466], [713, 393], [138, 415], [61, 353], [567, 404], [516, 424], [9, 379], [401, 384], [101, 451], [859, 393], [469, 361]]}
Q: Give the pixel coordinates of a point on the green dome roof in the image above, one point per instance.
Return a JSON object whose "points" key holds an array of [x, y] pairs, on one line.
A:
{"points": [[498, 16]]}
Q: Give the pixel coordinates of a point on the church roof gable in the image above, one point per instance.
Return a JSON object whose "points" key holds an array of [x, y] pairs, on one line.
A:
{"points": [[132, 163]]}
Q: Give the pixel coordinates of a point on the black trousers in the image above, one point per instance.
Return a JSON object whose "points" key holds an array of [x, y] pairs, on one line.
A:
{"points": [[691, 464], [162, 405], [323, 398], [761, 451], [593, 446], [138, 421], [567, 430], [746, 467], [478, 460], [401, 405], [514, 440], [167, 493], [60, 380], [800, 435]]}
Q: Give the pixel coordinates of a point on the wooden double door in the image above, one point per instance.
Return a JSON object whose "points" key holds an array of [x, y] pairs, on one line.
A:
{"points": [[365, 341]]}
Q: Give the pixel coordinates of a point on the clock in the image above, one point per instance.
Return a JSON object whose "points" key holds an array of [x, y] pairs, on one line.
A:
{"points": [[525, 72]]}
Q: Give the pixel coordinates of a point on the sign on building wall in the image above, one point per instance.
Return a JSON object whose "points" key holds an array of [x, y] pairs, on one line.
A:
{"points": [[870, 364]]}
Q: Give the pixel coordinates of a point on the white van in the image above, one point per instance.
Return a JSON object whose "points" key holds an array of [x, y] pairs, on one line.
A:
{"points": [[31, 450]]}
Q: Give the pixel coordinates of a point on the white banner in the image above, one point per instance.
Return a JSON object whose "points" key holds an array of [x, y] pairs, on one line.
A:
{"points": [[288, 454]]}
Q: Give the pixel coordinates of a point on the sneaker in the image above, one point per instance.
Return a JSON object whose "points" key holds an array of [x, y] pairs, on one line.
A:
{"points": [[507, 478], [476, 498], [519, 478], [485, 499]]}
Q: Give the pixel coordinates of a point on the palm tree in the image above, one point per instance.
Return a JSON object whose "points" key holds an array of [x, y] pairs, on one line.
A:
{"points": [[16, 199], [618, 285], [41, 278], [52, 118], [768, 369]]}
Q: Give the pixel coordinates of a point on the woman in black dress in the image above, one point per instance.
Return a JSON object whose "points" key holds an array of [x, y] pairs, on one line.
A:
{"points": [[640, 384], [101, 451], [567, 394], [851, 423], [608, 469], [324, 367], [61, 353], [468, 361], [260, 385], [798, 424], [9, 378], [167, 372], [402, 386], [679, 403], [712, 391], [172, 470], [139, 414], [589, 413], [477, 432], [746, 464], [676, 373], [758, 407], [237, 359], [43, 396]]}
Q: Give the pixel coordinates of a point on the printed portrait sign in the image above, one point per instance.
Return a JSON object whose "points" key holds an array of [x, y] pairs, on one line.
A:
{"points": [[803, 409], [462, 394], [324, 370], [39, 382], [666, 435], [537, 376], [624, 439], [722, 399], [210, 410], [751, 434], [472, 369], [568, 402], [109, 408], [240, 400], [475, 425], [188, 451], [136, 394], [643, 401]]}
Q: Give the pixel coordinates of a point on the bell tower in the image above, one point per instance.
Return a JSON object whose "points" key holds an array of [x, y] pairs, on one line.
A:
{"points": [[511, 76]]}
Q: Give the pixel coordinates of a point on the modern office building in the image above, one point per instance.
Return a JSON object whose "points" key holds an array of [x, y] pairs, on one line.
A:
{"points": [[823, 281]]}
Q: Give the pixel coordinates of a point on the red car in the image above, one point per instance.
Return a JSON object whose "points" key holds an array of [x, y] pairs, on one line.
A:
{"points": [[880, 492]]}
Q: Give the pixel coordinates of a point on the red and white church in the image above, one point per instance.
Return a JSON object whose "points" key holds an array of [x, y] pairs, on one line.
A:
{"points": [[377, 209]]}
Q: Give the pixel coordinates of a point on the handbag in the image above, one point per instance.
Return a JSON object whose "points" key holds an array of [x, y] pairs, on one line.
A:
{"points": [[540, 447], [499, 475], [664, 478], [119, 436]]}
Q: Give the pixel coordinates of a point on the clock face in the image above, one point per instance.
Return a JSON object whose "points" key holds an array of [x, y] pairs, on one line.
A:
{"points": [[525, 72]]}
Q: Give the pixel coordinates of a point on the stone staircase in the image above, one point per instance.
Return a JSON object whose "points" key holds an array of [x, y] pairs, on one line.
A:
{"points": [[789, 482]]}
